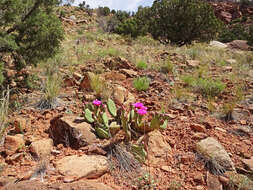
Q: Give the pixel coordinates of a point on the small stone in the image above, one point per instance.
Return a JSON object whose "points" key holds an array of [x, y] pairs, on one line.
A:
{"points": [[119, 94], [213, 182], [130, 73], [199, 136], [13, 143], [193, 63], [198, 127], [199, 178], [231, 61], [77, 76], [248, 163], [69, 179], [220, 129], [166, 168], [41, 148]]}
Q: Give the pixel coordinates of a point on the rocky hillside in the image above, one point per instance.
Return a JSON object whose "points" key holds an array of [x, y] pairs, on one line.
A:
{"points": [[190, 127]]}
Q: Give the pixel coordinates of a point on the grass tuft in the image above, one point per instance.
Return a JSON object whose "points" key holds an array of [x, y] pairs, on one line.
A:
{"points": [[4, 106], [141, 83]]}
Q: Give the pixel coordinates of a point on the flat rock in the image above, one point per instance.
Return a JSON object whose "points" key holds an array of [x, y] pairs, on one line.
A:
{"points": [[129, 72], [41, 148], [198, 127], [239, 44], [248, 163], [86, 166], [114, 76], [71, 131], [193, 63], [211, 149], [158, 148], [37, 185], [13, 143]]}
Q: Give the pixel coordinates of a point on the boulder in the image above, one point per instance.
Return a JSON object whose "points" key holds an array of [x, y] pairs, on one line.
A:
{"points": [[239, 44], [71, 131], [41, 148], [86, 166], [158, 149], [211, 149], [218, 44], [13, 143]]}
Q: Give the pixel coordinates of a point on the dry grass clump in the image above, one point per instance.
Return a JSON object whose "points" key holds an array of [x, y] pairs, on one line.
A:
{"points": [[4, 106]]}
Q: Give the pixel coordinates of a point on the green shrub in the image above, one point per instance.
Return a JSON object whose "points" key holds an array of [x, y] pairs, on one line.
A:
{"points": [[141, 65], [103, 11], [234, 32], [30, 30], [141, 83], [129, 27], [207, 87], [182, 21]]}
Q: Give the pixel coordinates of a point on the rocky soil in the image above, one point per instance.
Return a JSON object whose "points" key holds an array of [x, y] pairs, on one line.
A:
{"points": [[57, 149]]}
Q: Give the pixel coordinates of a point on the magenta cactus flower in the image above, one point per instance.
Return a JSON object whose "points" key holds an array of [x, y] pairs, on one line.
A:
{"points": [[142, 112], [138, 105], [144, 108], [97, 102]]}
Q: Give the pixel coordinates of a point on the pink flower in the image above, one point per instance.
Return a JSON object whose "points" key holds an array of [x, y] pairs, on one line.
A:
{"points": [[97, 102], [142, 112], [138, 105], [144, 108]]}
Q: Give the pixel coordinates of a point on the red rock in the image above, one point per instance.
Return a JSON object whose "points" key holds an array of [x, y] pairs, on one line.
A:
{"points": [[13, 143], [198, 127]]}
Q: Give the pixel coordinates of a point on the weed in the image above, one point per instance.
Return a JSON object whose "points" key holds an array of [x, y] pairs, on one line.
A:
{"points": [[175, 185], [51, 91], [99, 86], [167, 67], [141, 83], [142, 65], [31, 81], [4, 106], [146, 182], [207, 87], [211, 105]]}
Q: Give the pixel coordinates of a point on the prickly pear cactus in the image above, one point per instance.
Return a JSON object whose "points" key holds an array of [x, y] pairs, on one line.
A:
{"points": [[102, 133], [88, 115], [112, 107], [105, 119]]}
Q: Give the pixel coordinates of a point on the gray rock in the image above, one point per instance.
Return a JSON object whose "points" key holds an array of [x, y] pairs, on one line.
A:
{"points": [[71, 131], [86, 166], [218, 44], [212, 150]]}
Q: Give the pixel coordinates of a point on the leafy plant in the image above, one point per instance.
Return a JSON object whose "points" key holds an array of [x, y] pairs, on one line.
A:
{"points": [[182, 21], [30, 30], [141, 83], [141, 65], [146, 182]]}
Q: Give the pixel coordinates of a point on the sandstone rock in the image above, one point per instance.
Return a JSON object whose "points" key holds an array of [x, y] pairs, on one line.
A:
{"points": [[231, 61], [13, 143], [158, 148], [213, 150], [119, 93], [248, 163], [198, 127], [71, 131], [77, 76], [114, 76], [199, 178], [218, 44], [85, 83], [213, 182], [130, 73], [199, 136], [86, 166], [239, 44], [21, 124], [42, 148], [193, 63]]}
